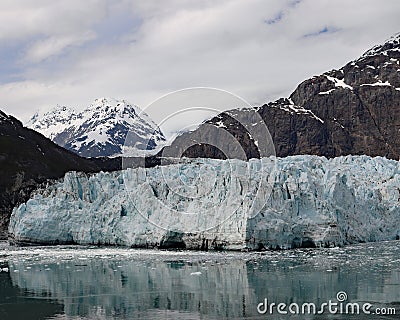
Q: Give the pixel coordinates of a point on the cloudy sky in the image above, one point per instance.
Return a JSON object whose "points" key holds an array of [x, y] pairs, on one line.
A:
{"points": [[71, 52]]}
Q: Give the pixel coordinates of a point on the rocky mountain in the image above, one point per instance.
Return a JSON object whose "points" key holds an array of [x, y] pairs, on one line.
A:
{"points": [[101, 129], [27, 159], [353, 110]]}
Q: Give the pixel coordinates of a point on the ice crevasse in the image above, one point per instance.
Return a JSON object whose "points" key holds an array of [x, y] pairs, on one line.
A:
{"points": [[276, 203]]}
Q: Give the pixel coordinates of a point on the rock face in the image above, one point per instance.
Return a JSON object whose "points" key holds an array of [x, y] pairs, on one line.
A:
{"points": [[299, 201], [27, 159], [101, 129], [353, 110]]}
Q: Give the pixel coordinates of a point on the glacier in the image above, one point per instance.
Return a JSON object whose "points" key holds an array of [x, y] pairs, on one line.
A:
{"points": [[268, 203]]}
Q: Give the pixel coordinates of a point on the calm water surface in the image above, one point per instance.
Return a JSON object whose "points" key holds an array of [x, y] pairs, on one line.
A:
{"points": [[65, 282]]}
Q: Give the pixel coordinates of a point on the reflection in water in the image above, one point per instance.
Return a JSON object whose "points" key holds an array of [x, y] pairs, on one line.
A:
{"points": [[135, 288], [13, 304], [93, 283]]}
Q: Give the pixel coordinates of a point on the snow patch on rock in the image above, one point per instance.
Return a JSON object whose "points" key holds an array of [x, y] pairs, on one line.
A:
{"points": [[379, 83], [339, 83], [292, 108]]}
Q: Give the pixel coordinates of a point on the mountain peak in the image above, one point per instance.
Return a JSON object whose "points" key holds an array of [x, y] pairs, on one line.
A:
{"points": [[388, 48], [100, 129], [52, 121], [110, 103], [59, 111]]}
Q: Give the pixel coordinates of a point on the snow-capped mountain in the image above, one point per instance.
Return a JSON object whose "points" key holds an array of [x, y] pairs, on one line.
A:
{"points": [[101, 129]]}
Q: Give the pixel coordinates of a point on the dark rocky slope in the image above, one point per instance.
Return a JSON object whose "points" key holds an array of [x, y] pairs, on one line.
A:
{"points": [[353, 110], [27, 159]]}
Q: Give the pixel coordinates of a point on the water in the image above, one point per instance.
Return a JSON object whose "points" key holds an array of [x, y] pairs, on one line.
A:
{"points": [[75, 282]]}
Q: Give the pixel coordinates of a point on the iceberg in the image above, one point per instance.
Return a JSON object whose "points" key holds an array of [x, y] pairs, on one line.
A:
{"points": [[268, 203]]}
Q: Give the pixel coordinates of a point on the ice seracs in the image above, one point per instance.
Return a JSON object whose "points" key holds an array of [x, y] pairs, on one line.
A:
{"points": [[299, 201]]}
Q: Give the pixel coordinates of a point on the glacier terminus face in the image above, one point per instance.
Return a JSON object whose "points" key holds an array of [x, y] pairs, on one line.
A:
{"points": [[268, 203]]}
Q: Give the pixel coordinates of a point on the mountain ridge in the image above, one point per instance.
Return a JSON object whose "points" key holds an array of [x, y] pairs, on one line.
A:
{"points": [[352, 110]]}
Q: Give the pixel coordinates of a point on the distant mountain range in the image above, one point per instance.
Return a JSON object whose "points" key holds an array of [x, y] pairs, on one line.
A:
{"points": [[353, 110], [100, 130]]}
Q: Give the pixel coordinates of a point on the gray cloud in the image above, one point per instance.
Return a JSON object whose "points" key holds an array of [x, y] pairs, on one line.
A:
{"points": [[71, 52]]}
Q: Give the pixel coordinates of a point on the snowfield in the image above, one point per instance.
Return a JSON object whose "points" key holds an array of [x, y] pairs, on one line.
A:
{"points": [[277, 203]]}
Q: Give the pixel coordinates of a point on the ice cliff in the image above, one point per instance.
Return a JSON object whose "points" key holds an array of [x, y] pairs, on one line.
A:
{"points": [[298, 201]]}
